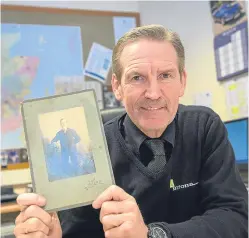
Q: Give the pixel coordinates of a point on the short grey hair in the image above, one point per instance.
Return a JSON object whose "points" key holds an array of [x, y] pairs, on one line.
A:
{"points": [[151, 32]]}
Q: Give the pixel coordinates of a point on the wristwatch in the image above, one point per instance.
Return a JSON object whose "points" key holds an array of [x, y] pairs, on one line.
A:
{"points": [[155, 231]]}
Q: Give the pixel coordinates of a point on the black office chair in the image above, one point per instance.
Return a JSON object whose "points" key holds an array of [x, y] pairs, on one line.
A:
{"points": [[109, 114]]}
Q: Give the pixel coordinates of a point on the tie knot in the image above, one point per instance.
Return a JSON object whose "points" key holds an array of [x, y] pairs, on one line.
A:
{"points": [[156, 146]]}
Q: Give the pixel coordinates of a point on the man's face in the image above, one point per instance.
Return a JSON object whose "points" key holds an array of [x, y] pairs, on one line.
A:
{"points": [[150, 85], [64, 125]]}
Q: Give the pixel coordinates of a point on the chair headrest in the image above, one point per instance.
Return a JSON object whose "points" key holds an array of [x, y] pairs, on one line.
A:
{"points": [[109, 114]]}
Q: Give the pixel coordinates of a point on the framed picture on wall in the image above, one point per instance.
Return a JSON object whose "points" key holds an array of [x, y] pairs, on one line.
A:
{"points": [[15, 158]]}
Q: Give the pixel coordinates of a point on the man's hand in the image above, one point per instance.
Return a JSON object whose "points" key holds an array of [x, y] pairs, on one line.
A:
{"points": [[120, 214], [33, 221]]}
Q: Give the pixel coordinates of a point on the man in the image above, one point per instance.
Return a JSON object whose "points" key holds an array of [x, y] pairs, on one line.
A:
{"points": [[173, 165], [68, 139]]}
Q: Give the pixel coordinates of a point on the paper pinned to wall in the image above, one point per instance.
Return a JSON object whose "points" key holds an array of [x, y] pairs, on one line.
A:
{"points": [[122, 25], [237, 97], [98, 62], [203, 99]]}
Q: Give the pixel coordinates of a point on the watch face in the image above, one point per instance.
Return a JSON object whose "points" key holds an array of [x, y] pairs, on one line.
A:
{"points": [[158, 232]]}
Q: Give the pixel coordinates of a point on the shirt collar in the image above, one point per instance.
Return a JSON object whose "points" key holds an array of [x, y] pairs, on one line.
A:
{"points": [[135, 137]]}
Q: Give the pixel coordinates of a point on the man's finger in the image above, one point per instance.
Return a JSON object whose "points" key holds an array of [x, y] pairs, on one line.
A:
{"points": [[115, 220], [33, 235], [121, 231], [114, 207], [27, 199], [112, 193], [30, 226], [34, 211]]}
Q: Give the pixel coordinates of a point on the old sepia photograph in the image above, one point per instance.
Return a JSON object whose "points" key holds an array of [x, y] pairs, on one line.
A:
{"points": [[66, 143]]}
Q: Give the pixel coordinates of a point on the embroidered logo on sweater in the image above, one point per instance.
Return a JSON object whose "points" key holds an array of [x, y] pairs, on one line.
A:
{"points": [[172, 185], [178, 187]]}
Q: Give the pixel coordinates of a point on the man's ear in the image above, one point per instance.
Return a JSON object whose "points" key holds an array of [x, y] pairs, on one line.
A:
{"points": [[116, 87], [183, 83]]}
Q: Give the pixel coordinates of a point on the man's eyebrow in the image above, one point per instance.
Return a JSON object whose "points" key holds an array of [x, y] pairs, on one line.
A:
{"points": [[172, 69], [132, 72]]}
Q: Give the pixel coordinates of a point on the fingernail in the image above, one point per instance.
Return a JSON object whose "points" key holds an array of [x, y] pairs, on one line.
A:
{"points": [[41, 200], [94, 204], [53, 220]]}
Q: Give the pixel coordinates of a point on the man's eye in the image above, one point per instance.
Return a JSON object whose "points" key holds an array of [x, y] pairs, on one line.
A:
{"points": [[137, 78], [165, 76]]}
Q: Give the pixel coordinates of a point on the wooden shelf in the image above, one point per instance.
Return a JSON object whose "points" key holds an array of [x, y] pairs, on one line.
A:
{"points": [[10, 207]]}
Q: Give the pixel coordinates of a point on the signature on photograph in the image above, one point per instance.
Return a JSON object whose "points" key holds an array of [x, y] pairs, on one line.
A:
{"points": [[93, 182]]}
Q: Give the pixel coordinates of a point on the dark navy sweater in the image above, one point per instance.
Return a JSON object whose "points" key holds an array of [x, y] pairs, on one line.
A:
{"points": [[199, 194]]}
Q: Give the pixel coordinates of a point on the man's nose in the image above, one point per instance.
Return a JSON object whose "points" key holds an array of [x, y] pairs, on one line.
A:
{"points": [[153, 90]]}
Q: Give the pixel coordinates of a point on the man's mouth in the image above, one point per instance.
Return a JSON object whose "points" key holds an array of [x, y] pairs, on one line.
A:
{"points": [[152, 108]]}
